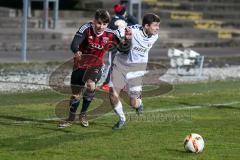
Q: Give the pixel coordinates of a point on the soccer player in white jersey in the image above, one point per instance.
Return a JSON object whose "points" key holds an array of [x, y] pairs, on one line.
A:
{"points": [[129, 66]]}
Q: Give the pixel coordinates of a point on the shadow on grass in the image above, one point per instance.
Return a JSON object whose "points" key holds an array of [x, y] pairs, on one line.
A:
{"points": [[177, 151], [49, 136], [183, 153], [22, 119], [97, 124], [15, 121], [45, 134], [225, 107], [47, 140], [218, 106], [185, 103]]}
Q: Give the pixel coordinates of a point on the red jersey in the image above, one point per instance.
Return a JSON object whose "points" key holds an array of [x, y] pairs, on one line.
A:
{"points": [[93, 46]]}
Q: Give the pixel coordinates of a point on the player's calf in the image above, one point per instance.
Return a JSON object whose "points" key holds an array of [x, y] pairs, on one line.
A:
{"points": [[87, 99], [73, 105]]}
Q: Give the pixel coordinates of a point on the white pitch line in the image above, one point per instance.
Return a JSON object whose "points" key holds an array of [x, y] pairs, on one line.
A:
{"points": [[148, 111], [128, 113], [164, 110]]}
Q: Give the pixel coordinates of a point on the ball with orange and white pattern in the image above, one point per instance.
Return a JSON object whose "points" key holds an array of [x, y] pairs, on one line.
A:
{"points": [[194, 143]]}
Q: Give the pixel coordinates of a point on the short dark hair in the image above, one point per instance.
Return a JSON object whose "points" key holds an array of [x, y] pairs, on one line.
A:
{"points": [[149, 18], [103, 15]]}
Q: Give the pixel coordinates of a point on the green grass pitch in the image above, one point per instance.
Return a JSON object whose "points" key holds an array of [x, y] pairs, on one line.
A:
{"points": [[28, 127]]}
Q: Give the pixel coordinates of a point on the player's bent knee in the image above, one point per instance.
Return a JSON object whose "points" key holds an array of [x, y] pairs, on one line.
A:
{"points": [[75, 96], [91, 86]]}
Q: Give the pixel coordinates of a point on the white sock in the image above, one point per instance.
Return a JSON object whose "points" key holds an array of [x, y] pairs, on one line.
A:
{"points": [[119, 111]]}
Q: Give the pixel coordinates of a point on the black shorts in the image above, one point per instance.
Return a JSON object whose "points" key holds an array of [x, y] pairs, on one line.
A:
{"points": [[80, 76]]}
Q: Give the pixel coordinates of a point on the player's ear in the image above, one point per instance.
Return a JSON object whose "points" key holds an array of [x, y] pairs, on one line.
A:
{"points": [[94, 21], [146, 26]]}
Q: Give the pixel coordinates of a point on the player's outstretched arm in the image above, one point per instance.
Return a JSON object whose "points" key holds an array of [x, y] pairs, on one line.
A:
{"points": [[125, 42]]}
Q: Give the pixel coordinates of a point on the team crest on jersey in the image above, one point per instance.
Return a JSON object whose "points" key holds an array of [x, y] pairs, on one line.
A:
{"points": [[105, 40], [90, 37]]}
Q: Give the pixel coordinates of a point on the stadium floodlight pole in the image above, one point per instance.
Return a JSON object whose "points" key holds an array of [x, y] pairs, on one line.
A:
{"points": [[139, 8], [139, 11], [56, 8], [24, 30], [46, 6]]}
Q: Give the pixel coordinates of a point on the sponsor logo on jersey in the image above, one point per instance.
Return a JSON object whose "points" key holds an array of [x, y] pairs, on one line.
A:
{"points": [[97, 46], [139, 49]]}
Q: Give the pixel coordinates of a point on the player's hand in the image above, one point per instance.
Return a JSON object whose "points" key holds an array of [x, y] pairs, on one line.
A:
{"points": [[78, 54], [128, 33], [77, 58]]}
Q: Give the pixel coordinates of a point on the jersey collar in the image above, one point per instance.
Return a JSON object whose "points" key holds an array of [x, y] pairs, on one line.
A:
{"points": [[93, 27]]}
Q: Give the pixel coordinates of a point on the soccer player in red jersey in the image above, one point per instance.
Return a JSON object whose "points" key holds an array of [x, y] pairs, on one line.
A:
{"points": [[89, 45]]}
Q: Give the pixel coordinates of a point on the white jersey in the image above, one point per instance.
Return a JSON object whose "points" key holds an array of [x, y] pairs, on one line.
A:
{"points": [[140, 46], [129, 68]]}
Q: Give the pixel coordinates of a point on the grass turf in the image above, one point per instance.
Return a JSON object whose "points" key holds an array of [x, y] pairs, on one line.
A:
{"points": [[27, 133]]}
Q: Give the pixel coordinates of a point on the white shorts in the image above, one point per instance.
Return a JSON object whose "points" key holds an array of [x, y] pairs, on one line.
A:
{"points": [[128, 77]]}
